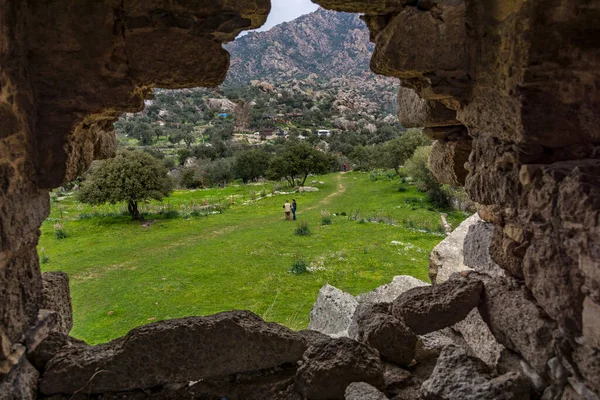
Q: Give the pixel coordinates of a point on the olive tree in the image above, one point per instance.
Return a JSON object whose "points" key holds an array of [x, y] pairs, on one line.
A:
{"points": [[299, 160], [133, 176]]}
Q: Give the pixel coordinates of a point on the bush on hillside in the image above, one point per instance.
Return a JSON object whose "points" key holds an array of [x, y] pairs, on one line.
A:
{"points": [[299, 267], [302, 229], [418, 168]]}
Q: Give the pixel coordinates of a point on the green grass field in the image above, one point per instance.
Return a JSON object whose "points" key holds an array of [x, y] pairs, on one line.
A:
{"points": [[125, 274]]}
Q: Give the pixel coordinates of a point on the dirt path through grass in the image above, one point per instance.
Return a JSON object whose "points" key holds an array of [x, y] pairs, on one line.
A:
{"points": [[326, 200]]}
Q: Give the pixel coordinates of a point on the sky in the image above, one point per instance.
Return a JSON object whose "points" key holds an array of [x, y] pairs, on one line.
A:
{"points": [[287, 10]]}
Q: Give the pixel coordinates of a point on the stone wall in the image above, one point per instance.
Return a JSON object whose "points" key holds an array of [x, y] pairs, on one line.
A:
{"points": [[68, 69], [512, 85], [516, 85]]}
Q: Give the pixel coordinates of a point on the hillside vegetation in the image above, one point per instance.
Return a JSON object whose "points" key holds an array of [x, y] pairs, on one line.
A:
{"points": [[204, 251]]}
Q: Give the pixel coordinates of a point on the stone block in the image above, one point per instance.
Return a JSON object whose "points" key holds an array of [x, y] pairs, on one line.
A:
{"points": [[478, 337], [363, 391], [329, 367], [430, 308], [57, 297], [388, 292], [517, 323], [376, 327], [447, 257], [459, 377], [332, 312], [188, 349]]}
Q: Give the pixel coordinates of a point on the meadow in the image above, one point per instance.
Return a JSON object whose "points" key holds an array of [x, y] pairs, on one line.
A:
{"points": [[204, 251]]}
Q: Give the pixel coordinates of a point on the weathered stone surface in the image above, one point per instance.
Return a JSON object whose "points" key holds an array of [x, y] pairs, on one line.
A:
{"points": [[447, 257], [591, 323], [437, 53], [476, 249], [447, 161], [401, 384], [311, 337], [388, 292], [479, 338], [414, 112], [332, 311], [57, 297], [430, 345], [48, 321], [329, 367], [5, 346], [459, 377], [12, 360], [363, 391], [428, 309], [517, 323], [448, 133], [50, 347], [588, 363], [21, 383], [69, 69], [149, 356], [375, 326]]}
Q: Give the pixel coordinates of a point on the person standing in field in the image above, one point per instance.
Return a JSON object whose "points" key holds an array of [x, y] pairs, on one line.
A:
{"points": [[294, 208], [287, 208]]}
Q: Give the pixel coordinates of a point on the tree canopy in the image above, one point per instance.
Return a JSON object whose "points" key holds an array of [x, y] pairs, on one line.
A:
{"points": [[130, 177], [298, 160]]}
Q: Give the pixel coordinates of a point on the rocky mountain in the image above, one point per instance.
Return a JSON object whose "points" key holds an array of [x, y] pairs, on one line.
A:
{"points": [[321, 52], [326, 43]]}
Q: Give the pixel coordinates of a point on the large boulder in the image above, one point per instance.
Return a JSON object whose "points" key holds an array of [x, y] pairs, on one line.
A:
{"points": [[447, 257], [459, 377], [57, 297], [329, 367], [376, 327], [430, 308], [181, 350], [363, 391], [388, 292], [517, 323], [332, 312]]}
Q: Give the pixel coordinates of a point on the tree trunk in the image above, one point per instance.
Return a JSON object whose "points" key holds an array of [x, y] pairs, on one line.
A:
{"points": [[132, 207], [304, 180], [290, 181]]}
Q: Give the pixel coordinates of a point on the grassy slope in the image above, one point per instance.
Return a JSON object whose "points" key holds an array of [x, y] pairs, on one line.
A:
{"points": [[124, 275]]}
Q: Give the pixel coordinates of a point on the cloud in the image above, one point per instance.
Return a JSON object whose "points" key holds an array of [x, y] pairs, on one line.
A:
{"points": [[287, 10]]}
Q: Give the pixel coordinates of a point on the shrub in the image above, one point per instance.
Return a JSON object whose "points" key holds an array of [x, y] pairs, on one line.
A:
{"points": [[59, 231], [418, 168], [299, 267], [302, 229], [44, 259], [325, 218]]}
